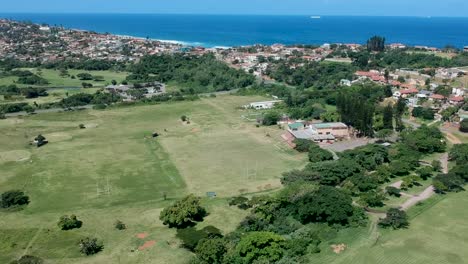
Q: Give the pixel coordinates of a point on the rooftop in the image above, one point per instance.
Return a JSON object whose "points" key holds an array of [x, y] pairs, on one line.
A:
{"points": [[329, 125], [296, 125]]}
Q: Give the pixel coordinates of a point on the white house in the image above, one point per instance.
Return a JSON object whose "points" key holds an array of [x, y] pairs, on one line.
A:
{"points": [[263, 105]]}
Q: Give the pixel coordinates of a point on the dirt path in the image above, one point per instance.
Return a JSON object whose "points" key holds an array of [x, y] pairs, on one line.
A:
{"points": [[444, 162], [31, 242], [426, 194], [453, 139]]}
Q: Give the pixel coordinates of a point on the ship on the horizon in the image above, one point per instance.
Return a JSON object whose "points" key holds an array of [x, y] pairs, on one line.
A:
{"points": [[315, 17]]}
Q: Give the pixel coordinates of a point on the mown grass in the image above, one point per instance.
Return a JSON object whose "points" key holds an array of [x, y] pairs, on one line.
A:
{"points": [[113, 170]]}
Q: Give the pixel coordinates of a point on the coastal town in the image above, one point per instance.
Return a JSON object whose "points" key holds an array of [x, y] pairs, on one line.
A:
{"points": [[247, 139]]}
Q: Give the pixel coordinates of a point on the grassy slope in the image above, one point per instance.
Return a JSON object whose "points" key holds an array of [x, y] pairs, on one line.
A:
{"points": [[437, 234], [53, 76], [111, 171]]}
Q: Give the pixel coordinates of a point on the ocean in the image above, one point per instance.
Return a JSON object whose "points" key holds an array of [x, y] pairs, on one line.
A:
{"points": [[239, 30]]}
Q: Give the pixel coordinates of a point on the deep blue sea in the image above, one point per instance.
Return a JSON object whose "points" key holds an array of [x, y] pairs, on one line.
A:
{"points": [[235, 30]]}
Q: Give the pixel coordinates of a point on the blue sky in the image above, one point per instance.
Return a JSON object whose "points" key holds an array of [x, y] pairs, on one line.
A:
{"points": [[284, 7]]}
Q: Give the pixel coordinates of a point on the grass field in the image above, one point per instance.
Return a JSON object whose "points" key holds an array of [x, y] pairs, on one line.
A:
{"points": [[437, 234], [114, 170], [55, 80]]}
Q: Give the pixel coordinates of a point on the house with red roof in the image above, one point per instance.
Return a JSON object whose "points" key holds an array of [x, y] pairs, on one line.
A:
{"points": [[437, 97], [456, 100], [408, 92]]}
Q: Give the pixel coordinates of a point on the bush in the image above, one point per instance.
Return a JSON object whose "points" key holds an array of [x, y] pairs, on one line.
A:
{"points": [[27, 259], [81, 126], [395, 219], [241, 202], [119, 225], [69, 222], [13, 198], [90, 246]]}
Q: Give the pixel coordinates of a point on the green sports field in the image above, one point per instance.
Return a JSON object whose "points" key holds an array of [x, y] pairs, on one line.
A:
{"points": [[114, 169]]}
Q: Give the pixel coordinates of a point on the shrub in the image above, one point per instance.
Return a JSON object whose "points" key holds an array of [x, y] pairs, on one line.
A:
{"points": [[120, 225], [69, 222], [90, 246], [13, 198], [190, 236], [82, 126], [241, 202], [183, 118]]}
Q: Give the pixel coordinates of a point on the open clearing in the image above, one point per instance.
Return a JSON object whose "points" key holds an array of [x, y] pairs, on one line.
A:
{"points": [[115, 170]]}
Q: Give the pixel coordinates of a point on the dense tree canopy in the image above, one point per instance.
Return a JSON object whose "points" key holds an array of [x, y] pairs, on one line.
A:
{"points": [[198, 73]]}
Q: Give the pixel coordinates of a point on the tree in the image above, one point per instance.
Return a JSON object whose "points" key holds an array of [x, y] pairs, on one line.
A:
{"points": [[114, 82], [436, 165], [317, 154], [450, 182], [13, 198], [90, 246], [464, 125], [271, 118], [459, 154], [183, 212], [184, 118], [191, 237], [388, 117], [302, 145], [425, 172], [258, 247], [372, 198], [395, 219], [84, 76], [211, 251], [376, 43], [384, 134], [393, 191], [69, 222], [327, 204]]}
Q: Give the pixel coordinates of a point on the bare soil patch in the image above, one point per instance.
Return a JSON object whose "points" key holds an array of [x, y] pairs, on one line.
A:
{"points": [[148, 244], [142, 235], [338, 248]]}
